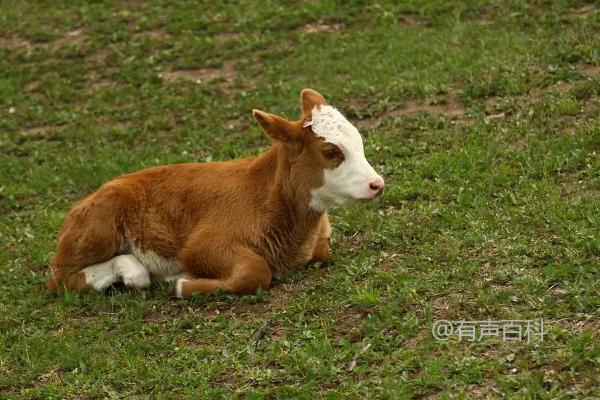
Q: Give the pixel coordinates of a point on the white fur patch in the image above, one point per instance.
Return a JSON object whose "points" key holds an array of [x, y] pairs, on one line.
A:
{"points": [[179, 287], [100, 276], [131, 270], [350, 180], [171, 278], [158, 266], [328, 123], [125, 267]]}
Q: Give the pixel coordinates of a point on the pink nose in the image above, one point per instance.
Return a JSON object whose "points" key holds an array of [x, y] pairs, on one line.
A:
{"points": [[376, 187]]}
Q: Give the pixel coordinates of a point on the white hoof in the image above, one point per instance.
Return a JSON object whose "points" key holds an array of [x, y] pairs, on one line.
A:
{"points": [[132, 271]]}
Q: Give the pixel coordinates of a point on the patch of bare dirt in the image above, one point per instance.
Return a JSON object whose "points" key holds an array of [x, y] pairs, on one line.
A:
{"points": [[592, 71], [412, 20], [484, 391], [354, 240], [486, 15], [52, 376], [101, 56], [137, 5], [32, 86], [536, 94], [95, 82], [498, 115], [14, 42], [99, 84], [584, 11], [36, 130], [360, 103], [227, 36], [124, 125], [226, 72], [321, 26], [72, 38], [156, 34], [561, 87], [349, 324], [42, 133], [236, 124], [442, 304], [575, 325], [40, 130], [367, 123], [451, 107]]}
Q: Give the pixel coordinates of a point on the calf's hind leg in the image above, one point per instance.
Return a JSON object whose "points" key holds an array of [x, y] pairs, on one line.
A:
{"points": [[125, 267], [91, 241]]}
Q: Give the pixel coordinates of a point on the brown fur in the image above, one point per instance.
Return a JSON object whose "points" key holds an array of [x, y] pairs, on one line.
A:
{"points": [[231, 225]]}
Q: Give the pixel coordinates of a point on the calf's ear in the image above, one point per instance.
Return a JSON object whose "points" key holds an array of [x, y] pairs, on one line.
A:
{"points": [[276, 127], [309, 99]]}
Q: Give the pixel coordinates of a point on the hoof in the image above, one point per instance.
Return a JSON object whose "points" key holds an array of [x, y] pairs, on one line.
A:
{"points": [[139, 281], [52, 285]]}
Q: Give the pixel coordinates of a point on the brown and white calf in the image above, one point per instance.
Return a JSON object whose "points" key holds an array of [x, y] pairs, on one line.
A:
{"points": [[228, 226]]}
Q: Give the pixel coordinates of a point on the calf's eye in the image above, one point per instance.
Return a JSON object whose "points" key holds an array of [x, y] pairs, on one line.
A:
{"points": [[331, 154]]}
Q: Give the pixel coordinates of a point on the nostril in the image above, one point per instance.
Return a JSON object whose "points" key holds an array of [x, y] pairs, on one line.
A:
{"points": [[375, 186]]}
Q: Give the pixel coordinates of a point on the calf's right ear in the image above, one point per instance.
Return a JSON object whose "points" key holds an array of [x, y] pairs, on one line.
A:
{"points": [[310, 99], [276, 127]]}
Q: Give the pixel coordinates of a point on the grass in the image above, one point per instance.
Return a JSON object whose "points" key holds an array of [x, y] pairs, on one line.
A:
{"points": [[492, 208]]}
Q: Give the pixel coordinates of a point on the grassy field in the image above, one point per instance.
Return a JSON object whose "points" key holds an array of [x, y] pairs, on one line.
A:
{"points": [[482, 116]]}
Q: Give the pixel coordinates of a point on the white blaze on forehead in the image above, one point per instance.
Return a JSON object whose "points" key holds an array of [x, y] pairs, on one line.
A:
{"points": [[328, 123], [350, 180]]}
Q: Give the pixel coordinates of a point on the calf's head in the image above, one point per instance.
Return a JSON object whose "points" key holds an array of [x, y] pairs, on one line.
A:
{"points": [[324, 152]]}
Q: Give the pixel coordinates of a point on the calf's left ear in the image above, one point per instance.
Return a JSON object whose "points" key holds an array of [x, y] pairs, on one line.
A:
{"points": [[276, 127]]}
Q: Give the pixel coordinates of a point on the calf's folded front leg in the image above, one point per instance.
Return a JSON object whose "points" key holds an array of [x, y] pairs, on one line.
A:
{"points": [[321, 252], [235, 270]]}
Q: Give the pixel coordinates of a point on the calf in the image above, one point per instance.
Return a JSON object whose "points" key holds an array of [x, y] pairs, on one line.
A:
{"points": [[228, 226]]}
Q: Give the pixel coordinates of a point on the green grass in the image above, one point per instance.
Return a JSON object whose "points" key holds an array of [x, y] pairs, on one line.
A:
{"points": [[490, 212]]}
